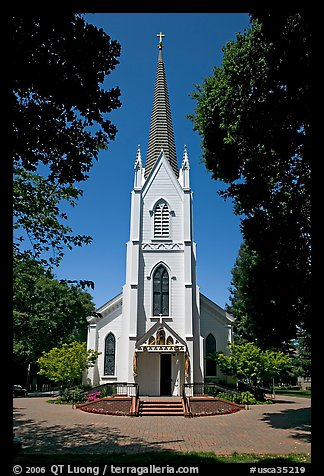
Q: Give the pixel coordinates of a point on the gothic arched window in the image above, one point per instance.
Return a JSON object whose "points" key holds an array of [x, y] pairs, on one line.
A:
{"points": [[161, 292], [110, 349], [210, 351], [161, 220]]}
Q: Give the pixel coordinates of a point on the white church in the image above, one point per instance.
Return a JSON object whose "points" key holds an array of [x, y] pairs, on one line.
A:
{"points": [[160, 329]]}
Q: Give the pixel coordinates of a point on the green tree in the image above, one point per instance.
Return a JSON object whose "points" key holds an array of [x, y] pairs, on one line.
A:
{"points": [[253, 115], [65, 364], [58, 122], [254, 366], [258, 301], [302, 357], [46, 312], [37, 216], [242, 298]]}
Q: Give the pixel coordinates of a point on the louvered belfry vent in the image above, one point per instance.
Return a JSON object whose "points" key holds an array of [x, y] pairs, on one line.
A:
{"points": [[161, 135], [161, 220]]}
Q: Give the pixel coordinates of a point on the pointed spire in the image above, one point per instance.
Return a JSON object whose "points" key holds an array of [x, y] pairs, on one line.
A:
{"points": [[138, 166], [138, 160], [185, 159], [184, 171], [161, 130]]}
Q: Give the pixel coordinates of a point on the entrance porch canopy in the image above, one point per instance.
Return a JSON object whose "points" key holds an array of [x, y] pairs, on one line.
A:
{"points": [[160, 338]]}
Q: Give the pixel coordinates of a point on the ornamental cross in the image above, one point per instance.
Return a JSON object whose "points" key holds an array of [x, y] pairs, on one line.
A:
{"points": [[160, 35]]}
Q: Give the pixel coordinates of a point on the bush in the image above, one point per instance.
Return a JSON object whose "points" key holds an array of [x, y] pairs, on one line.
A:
{"points": [[231, 397], [107, 391], [73, 395], [247, 398]]}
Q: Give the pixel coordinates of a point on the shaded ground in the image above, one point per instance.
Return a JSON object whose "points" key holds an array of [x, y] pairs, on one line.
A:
{"points": [[280, 428], [296, 420]]}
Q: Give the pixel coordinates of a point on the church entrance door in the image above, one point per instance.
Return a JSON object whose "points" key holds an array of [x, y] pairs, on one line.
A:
{"points": [[165, 374]]}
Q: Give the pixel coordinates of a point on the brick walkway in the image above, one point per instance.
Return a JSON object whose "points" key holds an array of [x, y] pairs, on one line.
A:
{"points": [[283, 427]]}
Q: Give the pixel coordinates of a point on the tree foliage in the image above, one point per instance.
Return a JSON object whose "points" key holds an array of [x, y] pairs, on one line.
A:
{"points": [[38, 217], [58, 121], [57, 65], [254, 366], [46, 312], [253, 115], [262, 300], [302, 359], [65, 364]]}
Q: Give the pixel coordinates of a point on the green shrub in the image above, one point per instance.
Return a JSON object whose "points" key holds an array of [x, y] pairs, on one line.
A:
{"points": [[223, 395], [107, 391], [231, 397], [247, 398], [73, 395]]}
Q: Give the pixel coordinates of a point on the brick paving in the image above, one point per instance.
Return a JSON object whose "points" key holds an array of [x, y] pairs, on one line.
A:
{"points": [[279, 428]]}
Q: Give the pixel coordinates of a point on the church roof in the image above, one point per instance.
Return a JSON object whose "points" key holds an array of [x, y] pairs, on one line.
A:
{"points": [[204, 300], [161, 134]]}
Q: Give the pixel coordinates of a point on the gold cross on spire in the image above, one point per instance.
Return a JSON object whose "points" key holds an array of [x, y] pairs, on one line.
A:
{"points": [[160, 35]]}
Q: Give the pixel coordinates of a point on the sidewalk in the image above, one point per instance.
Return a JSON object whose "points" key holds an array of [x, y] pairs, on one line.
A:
{"points": [[279, 428], [48, 393]]}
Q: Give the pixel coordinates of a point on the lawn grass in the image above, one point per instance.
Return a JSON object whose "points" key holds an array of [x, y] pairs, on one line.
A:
{"points": [[295, 393], [160, 458]]}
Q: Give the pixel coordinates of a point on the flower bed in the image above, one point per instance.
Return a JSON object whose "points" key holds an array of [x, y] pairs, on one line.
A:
{"points": [[93, 396], [108, 406], [201, 406]]}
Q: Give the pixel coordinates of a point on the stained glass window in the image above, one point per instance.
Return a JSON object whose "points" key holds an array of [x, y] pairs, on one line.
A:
{"points": [[161, 292], [210, 350], [110, 345]]}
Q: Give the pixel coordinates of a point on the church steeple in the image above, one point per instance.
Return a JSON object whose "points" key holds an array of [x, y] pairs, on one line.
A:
{"points": [[161, 135]]}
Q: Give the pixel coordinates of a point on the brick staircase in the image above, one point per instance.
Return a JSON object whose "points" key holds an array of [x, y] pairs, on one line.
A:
{"points": [[162, 407]]}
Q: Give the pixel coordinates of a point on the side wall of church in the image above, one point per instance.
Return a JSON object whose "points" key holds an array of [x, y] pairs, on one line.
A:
{"points": [[213, 322], [111, 324]]}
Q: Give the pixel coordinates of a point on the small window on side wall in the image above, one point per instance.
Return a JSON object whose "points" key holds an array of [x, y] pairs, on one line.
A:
{"points": [[110, 350], [211, 369]]}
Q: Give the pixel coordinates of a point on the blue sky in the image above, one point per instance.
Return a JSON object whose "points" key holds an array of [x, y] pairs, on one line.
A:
{"points": [[192, 47]]}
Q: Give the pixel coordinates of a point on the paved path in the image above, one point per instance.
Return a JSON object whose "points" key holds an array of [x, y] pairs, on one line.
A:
{"points": [[283, 427]]}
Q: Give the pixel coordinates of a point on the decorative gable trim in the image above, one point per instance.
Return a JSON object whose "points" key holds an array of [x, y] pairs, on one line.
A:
{"points": [[162, 160], [144, 339], [161, 245]]}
